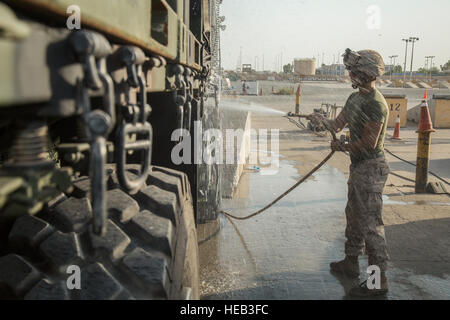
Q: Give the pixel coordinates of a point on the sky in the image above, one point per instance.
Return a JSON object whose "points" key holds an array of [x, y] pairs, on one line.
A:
{"points": [[314, 28]]}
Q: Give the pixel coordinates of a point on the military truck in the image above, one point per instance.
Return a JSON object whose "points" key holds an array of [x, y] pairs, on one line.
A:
{"points": [[92, 205]]}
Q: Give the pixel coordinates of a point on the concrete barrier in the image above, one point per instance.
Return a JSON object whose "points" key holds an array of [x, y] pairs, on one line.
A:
{"points": [[423, 85], [444, 84], [398, 106], [439, 111], [411, 85]]}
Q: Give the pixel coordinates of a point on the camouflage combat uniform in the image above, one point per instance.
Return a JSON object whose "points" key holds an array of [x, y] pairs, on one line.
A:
{"points": [[368, 175]]}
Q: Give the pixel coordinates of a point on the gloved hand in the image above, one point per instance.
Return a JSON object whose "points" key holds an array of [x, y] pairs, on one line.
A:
{"points": [[338, 146], [316, 118]]}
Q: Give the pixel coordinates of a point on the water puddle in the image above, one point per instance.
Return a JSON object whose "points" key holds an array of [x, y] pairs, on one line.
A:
{"points": [[389, 202]]}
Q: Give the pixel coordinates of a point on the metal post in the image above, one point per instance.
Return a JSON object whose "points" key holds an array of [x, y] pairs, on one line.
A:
{"points": [[428, 67], [431, 66], [390, 57], [392, 64], [297, 100], [423, 147], [406, 57], [413, 40], [395, 59], [423, 156]]}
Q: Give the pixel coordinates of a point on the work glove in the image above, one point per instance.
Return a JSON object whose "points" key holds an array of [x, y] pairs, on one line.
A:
{"points": [[316, 118], [338, 146]]}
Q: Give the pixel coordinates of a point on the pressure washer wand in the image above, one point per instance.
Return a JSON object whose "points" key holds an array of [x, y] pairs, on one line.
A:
{"points": [[293, 115]]}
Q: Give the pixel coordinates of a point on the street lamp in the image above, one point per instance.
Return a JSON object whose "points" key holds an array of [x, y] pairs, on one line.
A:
{"points": [[413, 40], [431, 64], [392, 64], [406, 57]]}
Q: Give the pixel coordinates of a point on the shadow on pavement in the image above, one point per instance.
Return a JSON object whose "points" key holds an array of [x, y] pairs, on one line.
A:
{"points": [[421, 246]]}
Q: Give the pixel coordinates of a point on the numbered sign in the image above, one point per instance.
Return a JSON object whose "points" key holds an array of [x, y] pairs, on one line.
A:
{"points": [[398, 105]]}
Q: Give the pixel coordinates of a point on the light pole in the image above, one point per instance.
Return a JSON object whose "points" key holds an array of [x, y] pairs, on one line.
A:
{"points": [[392, 64], [413, 40], [431, 65], [395, 58], [427, 67], [406, 57]]}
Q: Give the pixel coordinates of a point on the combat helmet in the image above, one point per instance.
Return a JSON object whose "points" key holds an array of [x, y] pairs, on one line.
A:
{"points": [[368, 62]]}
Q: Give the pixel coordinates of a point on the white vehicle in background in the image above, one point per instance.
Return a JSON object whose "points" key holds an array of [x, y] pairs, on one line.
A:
{"points": [[227, 88], [249, 88], [227, 83]]}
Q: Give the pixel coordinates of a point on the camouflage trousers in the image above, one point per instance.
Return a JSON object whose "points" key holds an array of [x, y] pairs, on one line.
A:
{"points": [[365, 227]]}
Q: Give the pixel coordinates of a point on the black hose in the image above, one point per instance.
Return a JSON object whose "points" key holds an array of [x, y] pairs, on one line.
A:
{"points": [[309, 174], [284, 194], [413, 164]]}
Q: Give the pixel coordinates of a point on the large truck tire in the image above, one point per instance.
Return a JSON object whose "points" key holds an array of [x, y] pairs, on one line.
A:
{"points": [[149, 251]]}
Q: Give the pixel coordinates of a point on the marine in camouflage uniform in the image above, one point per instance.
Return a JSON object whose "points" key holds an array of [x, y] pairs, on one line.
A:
{"points": [[368, 175], [366, 113]]}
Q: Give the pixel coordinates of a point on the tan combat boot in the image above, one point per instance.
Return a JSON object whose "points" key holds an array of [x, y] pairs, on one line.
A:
{"points": [[349, 267]]}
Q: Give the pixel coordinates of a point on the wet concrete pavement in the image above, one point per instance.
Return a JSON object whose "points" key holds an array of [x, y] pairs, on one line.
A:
{"points": [[285, 252]]}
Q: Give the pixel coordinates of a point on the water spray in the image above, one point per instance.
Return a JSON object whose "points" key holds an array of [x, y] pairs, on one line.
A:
{"points": [[306, 177]]}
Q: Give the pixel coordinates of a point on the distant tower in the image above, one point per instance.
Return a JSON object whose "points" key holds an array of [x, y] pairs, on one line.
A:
{"points": [[239, 64]]}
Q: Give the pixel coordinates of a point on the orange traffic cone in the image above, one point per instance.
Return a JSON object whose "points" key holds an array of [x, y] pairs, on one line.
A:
{"points": [[425, 124], [397, 129]]}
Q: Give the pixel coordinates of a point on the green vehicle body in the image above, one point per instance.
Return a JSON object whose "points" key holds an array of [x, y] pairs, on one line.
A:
{"points": [[50, 89], [156, 25]]}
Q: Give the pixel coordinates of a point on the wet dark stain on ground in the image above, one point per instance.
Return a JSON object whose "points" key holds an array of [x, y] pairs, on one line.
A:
{"points": [[284, 253]]}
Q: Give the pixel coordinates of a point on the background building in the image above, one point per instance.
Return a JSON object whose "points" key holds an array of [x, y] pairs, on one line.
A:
{"points": [[305, 67], [247, 68], [332, 70]]}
